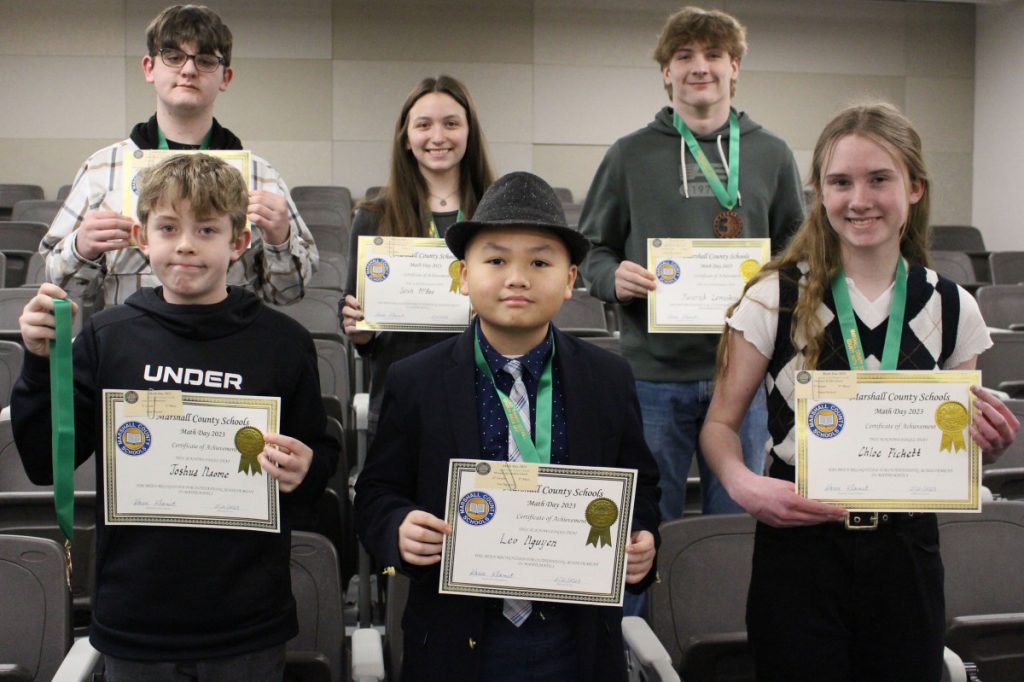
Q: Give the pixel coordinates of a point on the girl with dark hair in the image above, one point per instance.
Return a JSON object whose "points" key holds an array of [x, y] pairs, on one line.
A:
{"points": [[439, 170]]}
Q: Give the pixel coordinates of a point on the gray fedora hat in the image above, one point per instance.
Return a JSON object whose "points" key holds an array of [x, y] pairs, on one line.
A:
{"points": [[518, 199]]}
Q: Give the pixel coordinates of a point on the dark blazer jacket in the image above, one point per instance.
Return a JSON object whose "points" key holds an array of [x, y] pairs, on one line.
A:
{"points": [[428, 416]]}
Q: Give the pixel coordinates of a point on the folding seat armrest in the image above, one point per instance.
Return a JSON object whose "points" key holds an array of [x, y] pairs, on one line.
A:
{"points": [[648, 650]]}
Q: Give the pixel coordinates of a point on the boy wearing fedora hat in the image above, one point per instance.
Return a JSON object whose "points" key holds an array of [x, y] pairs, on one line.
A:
{"points": [[518, 264]]}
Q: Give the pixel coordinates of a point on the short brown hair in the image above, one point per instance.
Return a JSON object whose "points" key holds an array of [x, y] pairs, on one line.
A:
{"points": [[693, 24], [211, 185], [197, 24]]}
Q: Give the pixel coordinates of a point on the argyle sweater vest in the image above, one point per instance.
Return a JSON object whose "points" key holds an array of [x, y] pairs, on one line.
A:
{"points": [[928, 340]]}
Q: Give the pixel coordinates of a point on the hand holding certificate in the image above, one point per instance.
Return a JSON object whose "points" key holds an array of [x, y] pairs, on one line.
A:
{"points": [[189, 459], [888, 441], [697, 280], [543, 533], [409, 284]]}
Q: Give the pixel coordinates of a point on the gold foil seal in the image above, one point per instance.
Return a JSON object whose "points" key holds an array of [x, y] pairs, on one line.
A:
{"points": [[749, 268], [249, 441], [952, 418], [453, 272], [601, 514]]}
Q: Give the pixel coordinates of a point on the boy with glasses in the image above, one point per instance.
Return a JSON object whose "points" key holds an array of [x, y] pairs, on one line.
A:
{"points": [[188, 61]]}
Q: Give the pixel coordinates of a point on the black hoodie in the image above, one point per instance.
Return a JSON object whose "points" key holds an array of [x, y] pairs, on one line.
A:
{"points": [[165, 593]]}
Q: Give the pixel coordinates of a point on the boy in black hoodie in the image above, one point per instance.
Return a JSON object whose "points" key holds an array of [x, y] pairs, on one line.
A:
{"points": [[216, 602]]}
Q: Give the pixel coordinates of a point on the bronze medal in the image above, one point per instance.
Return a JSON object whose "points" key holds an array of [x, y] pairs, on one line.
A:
{"points": [[728, 225]]}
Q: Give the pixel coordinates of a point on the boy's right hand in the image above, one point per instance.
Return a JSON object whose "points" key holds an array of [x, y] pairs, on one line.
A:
{"points": [[632, 280], [351, 313], [102, 231], [38, 327], [420, 537]]}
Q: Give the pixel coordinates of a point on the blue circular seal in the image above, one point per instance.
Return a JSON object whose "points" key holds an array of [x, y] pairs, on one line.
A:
{"points": [[825, 420], [135, 185], [133, 438], [668, 271], [476, 508], [377, 269]]}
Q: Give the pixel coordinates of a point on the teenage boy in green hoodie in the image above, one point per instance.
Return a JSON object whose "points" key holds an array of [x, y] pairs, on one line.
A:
{"points": [[651, 185]]}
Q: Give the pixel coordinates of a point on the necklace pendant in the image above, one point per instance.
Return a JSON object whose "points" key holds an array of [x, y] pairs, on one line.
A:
{"points": [[728, 225], [443, 202]]}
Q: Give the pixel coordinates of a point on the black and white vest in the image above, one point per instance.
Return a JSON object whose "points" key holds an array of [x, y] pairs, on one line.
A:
{"points": [[929, 337]]}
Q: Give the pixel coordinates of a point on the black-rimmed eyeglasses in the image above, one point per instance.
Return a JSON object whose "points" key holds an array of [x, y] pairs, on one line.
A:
{"points": [[176, 59]]}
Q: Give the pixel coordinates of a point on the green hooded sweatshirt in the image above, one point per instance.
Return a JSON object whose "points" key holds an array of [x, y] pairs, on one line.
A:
{"points": [[637, 194]]}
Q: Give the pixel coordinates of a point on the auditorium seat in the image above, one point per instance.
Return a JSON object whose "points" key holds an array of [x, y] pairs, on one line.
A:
{"points": [[35, 271], [1002, 365], [35, 608], [372, 192], [10, 194], [330, 272], [1002, 306], [62, 192], [957, 266], [966, 238], [36, 210], [983, 554], [330, 194], [330, 238], [12, 301], [12, 354], [325, 213], [1006, 267], [572, 214], [564, 194], [317, 652], [317, 311], [582, 315], [18, 241]]}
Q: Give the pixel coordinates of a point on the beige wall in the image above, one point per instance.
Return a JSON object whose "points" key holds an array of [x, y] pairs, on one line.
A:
{"points": [[999, 150], [318, 83]]}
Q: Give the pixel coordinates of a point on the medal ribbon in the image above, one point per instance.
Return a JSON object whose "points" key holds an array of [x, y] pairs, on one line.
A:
{"points": [[727, 198], [62, 416], [539, 453], [848, 323], [161, 141], [435, 233]]}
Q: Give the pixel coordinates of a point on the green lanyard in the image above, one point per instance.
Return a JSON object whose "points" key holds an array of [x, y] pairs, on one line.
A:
{"points": [[435, 233], [726, 198], [161, 141], [62, 417], [848, 323], [541, 452]]}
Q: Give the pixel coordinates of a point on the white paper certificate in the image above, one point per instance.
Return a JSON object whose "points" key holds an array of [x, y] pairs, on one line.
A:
{"points": [[184, 462], [697, 280], [141, 159], [537, 532], [888, 441], [409, 285]]}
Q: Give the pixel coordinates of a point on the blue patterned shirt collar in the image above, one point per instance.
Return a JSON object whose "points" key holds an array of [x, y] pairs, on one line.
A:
{"points": [[533, 361]]}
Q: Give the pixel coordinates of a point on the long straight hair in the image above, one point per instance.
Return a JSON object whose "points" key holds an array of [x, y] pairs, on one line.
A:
{"points": [[816, 245], [403, 203]]}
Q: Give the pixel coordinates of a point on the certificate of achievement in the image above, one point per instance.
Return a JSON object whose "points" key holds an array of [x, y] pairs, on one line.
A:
{"points": [[888, 441], [538, 532], [188, 459], [141, 159], [697, 280], [409, 284]]}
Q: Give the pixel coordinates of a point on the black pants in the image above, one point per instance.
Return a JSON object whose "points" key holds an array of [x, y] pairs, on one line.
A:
{"points": [[827, 603]]}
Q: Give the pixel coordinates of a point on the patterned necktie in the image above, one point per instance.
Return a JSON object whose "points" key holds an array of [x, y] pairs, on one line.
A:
{"points": [[517, 610]]}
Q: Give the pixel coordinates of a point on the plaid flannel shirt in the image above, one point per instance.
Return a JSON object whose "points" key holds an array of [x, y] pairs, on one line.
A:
{"points": [[277, 274]]}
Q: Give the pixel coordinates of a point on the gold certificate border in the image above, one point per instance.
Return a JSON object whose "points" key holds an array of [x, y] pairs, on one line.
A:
{"points": [[674, 247], [271, 523], [626, 477], [139, 159], [397, 246], [970, 503]]}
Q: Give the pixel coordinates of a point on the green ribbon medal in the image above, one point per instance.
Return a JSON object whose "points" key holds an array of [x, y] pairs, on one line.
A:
{"points": [[161, 141], [434, 232], [538, 452], [848, 323], [62, 418], [728, 223]]}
